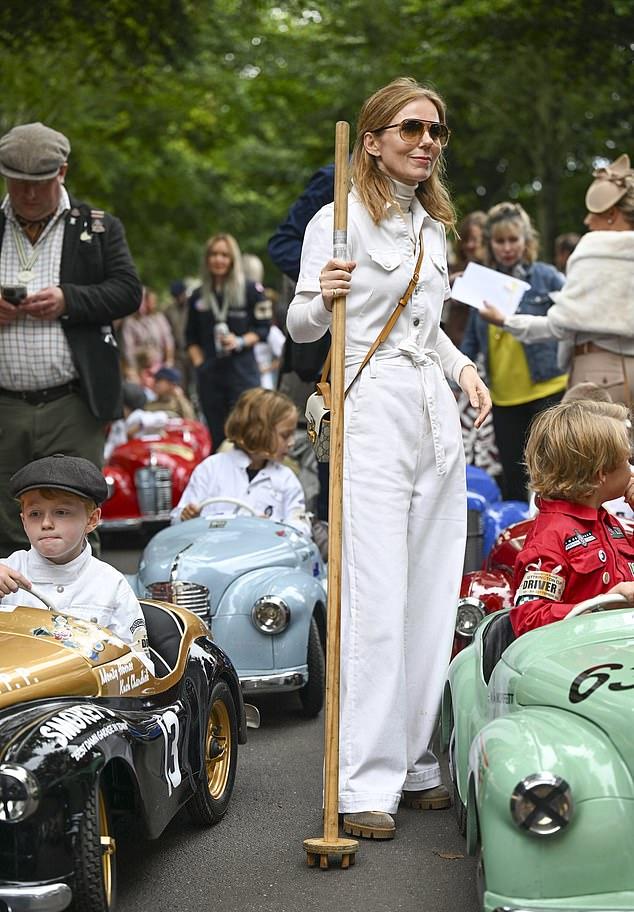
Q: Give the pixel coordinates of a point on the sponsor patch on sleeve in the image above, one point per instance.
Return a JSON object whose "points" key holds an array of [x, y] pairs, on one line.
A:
{"points": [[540, 584]]}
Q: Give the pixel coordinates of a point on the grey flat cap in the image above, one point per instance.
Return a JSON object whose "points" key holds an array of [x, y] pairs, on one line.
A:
{"points": [[64, 473], [32, 152]]}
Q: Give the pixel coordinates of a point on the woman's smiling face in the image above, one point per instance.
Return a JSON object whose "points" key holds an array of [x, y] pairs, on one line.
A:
{"points": [[409, 163]]}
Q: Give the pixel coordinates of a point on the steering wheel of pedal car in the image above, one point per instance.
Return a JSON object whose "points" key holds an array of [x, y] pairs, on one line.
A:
{"points": [[239, 504]]}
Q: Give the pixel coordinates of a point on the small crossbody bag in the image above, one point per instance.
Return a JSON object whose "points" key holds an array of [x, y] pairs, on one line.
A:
{"points": [[319, 403]]}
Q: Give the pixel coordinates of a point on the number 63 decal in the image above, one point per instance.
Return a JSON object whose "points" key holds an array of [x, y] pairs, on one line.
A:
{"points": [[170, 726], [595, 677]]}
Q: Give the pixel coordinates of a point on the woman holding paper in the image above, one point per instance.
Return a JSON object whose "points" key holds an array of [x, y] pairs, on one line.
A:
{"points": [[592, 315], [524, 379], [404, 499]]}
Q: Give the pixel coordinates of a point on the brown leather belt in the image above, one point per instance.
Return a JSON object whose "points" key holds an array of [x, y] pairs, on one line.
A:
{"points": [[589, 348], [37, 397]]}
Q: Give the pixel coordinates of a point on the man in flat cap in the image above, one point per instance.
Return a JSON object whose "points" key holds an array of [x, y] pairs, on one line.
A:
{"points": [[65, 274]]}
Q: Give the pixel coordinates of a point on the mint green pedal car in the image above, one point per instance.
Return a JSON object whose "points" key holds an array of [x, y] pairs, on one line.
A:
{"points": [[542, 758]]}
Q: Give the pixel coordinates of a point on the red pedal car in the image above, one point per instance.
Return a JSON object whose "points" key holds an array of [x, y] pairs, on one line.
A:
{"points": [[147, 475], [490, 588]]}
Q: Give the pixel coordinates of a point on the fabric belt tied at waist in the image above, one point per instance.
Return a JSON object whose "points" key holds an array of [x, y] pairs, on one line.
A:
{"points": [[425, 359], [428, 359], [38, 397], [589, 348]]}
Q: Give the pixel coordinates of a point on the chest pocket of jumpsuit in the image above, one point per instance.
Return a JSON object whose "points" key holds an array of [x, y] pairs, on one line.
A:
{"points": [[374, 281], [385, 258]]}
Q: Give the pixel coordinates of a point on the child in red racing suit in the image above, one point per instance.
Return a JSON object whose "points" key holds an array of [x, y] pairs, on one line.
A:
{"points": [[577, 457]]}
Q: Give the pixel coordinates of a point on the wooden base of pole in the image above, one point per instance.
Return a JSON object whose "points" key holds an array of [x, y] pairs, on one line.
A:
{"points": [[322, 849]]}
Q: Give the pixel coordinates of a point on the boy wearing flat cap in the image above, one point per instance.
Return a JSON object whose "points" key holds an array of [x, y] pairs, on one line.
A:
{"points": [[59, 498], [170, 396]]}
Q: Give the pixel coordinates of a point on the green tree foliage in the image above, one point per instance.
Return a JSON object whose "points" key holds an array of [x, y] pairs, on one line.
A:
{"points": [[190, 117]]}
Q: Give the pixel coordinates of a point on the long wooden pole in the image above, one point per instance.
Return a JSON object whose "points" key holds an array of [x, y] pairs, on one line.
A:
{"points": [[331, 844]]}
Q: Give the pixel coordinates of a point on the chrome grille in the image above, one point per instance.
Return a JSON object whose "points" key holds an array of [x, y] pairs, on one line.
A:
{"points": [[184, 594]]}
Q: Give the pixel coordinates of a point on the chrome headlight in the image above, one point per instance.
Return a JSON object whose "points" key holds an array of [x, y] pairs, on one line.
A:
{"points": [[270, 614], [184, 594], [470, 613], [542, 804], [19, 793]]}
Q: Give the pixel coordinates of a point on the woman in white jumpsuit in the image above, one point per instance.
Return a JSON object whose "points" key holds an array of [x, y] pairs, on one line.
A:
{"points": [[404, 506]]}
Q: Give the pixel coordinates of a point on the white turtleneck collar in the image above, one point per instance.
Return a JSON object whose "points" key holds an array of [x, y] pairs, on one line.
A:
{"points": [[404, 194]]}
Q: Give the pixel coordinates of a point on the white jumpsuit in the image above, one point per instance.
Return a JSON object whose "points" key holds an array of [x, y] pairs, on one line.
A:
{"points": [[404, 506]]}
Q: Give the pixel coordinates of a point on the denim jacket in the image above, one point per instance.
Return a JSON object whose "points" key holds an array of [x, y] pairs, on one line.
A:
{"points": [[541, 356]]}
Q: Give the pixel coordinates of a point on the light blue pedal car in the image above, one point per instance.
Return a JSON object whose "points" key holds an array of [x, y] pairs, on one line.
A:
{"points": [[261, 587]]}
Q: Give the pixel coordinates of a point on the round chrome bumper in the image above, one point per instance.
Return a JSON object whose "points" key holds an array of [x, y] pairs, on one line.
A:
{"points": [[273, 683], [35, 897]]}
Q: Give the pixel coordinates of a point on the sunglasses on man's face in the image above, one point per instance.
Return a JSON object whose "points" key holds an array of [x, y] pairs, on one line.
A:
{"points": [[412, 131]]}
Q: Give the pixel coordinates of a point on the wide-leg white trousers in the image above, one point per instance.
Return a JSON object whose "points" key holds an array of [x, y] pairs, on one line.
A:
{"points": [[404, 529]]}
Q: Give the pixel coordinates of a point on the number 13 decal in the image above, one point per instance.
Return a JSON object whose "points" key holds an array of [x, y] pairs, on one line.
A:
{"points": [[170, 726]]}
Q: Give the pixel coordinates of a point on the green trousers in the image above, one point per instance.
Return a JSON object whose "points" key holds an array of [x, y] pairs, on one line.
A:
{"points": [[29, 432]]}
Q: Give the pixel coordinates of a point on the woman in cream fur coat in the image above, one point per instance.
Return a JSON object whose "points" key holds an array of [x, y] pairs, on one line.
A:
{"points": [[592, 315]]}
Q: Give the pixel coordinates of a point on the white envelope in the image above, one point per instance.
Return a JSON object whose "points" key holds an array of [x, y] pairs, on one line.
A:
{"points": [[478, 284]]}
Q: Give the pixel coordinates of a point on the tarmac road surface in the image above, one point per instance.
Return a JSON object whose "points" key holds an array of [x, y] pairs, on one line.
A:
{"points": [[254, 861]]}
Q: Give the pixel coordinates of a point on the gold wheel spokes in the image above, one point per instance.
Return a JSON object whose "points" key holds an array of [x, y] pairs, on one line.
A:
{"points": [[218, 749], [108, 849]]}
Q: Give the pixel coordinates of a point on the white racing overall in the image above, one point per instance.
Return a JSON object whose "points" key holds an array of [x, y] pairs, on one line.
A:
{"points": [[404, 501]]}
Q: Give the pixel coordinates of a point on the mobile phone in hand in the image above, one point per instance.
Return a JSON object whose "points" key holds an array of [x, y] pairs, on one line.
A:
{"points": [[14, 294]]}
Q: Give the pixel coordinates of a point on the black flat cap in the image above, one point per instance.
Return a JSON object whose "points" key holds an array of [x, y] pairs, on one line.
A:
{"points": [[64, 473], [33, 152]]}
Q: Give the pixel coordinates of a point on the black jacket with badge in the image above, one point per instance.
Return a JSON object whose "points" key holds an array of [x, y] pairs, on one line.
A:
{"points": [[100, 285], [254, 316]]}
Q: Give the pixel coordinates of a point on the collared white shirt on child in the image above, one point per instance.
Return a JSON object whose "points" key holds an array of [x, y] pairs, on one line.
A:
{"points": [[85, 588], [275, 492]]}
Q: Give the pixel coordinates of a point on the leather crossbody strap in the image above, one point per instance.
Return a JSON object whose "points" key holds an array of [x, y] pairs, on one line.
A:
{"points": [[323, 386]]}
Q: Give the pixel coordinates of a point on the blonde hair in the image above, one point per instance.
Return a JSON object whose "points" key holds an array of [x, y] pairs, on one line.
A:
{"points": [[571, 443], [234, 287], [252, 421], [504, 214], [52, 493], [373, 187]]}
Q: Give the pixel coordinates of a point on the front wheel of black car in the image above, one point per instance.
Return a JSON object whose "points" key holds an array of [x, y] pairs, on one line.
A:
{"points": [[312, 693], [209, 803], [95, 858]]}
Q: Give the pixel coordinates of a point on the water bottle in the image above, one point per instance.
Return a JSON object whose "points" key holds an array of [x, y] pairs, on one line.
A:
{"points": [[220, 331]]}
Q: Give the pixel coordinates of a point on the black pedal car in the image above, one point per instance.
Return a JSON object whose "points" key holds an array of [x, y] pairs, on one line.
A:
{"points": [[88, 731]]}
